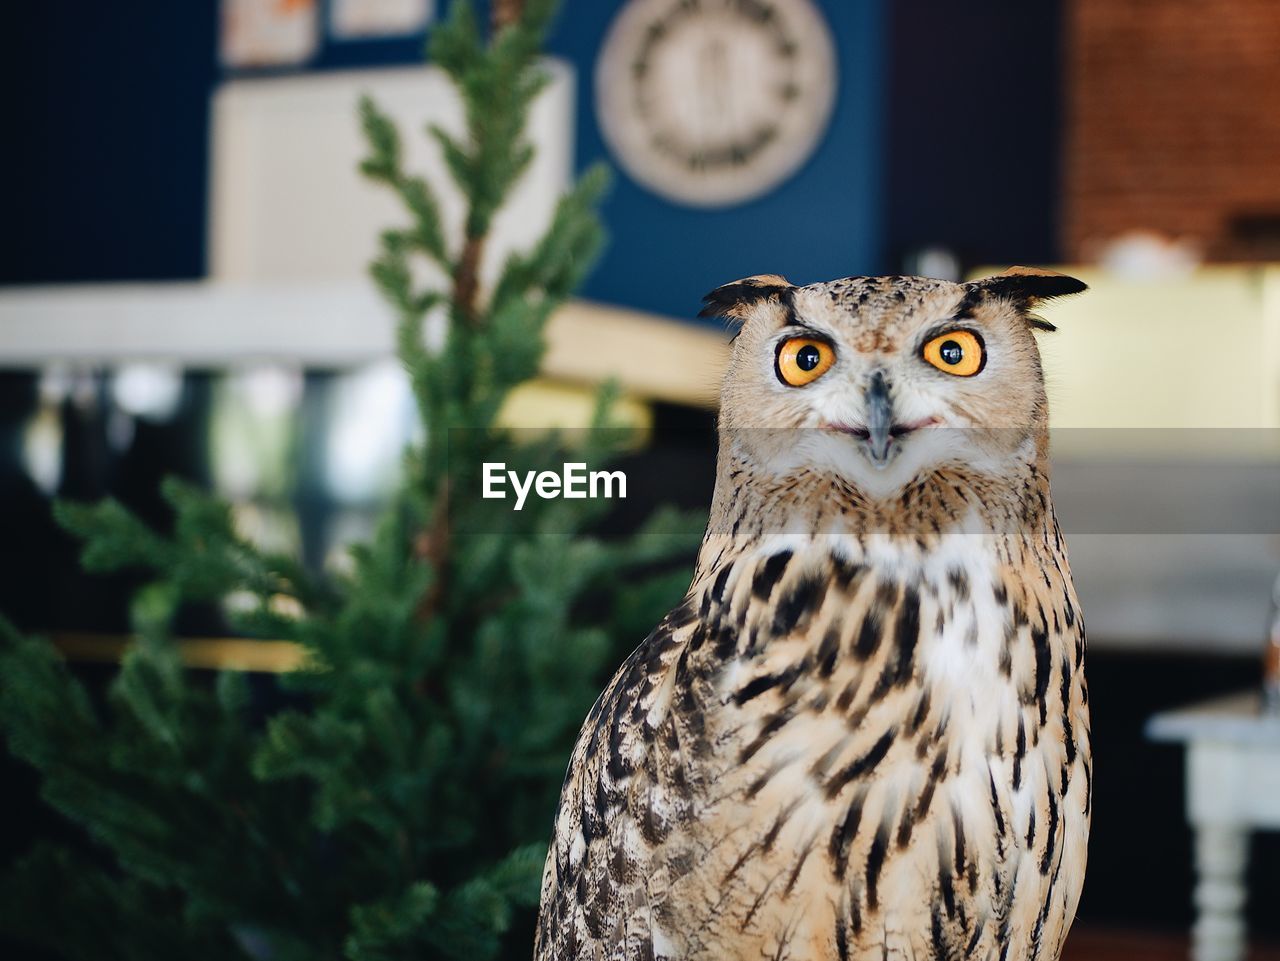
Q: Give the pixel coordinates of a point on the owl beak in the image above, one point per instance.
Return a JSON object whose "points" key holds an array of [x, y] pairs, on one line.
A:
{"points": [[879, 440]]}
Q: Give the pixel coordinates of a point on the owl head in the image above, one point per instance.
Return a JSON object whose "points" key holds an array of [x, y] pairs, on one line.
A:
{"points": [[880, 378]]}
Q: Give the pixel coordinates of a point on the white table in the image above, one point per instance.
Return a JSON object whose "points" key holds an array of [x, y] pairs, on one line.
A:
{"points": [[1233, 788]]}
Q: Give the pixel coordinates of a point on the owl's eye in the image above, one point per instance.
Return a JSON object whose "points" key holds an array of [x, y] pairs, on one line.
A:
{"points": [[958, 352], [802, 360]]}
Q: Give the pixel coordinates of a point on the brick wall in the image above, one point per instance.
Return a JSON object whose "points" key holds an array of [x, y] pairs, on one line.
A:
{"points": [[1173, 124]]}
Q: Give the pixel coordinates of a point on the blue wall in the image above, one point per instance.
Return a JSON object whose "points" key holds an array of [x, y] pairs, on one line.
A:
{"points": [[823, 222], [944, 132]]}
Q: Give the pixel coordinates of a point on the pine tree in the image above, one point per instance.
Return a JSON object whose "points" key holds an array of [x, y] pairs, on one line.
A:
{"points": [[399, 808]]}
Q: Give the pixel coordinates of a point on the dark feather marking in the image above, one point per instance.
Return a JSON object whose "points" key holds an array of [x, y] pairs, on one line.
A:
{"points": [[845, 572], [757, 904], [975, 937], [747, 854], [726, 641], [770, 728], [844, 833], [942, 949], [1051, 837], [827, 652], [846, 696], [769, 573], [907, 631], [619, 767], [721, 581], [921, 712], [771, 837], [682, 616], [911, 816], [1037, 933], [819, 768], [697, 636], [906, 634], [925, 741], [595, 911], [868, 635], [1040, 639], [875, 863], [1020, 750], [863, 765], [761, 781], [855, 916], [1037, 940], [639, 709], [995, 806], [1068, 736], [842, 939], [757, 686], [972, 297], [1003, 912], [799, 604], [794, 877], [1020, 619], [946, 888]]}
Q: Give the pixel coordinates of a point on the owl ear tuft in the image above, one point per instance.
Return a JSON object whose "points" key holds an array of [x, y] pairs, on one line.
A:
{"points": [[1030, 286], [732, 301]]}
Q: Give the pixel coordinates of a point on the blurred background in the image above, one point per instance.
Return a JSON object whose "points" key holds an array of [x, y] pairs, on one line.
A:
{"points": [[182, 290]]}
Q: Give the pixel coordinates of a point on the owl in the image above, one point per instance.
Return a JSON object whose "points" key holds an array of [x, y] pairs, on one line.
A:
{"points": [[864, 733]]}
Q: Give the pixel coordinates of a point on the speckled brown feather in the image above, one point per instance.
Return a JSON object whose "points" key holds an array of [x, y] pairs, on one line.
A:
{"points": [[863, 734]]}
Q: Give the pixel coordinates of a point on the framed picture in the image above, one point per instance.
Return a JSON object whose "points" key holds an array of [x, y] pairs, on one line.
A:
{"points": [[357, 19], [269, 33]]}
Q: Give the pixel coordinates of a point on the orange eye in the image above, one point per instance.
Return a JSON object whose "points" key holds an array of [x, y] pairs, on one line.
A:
{"points": [[958, 352], [802, 360]]}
